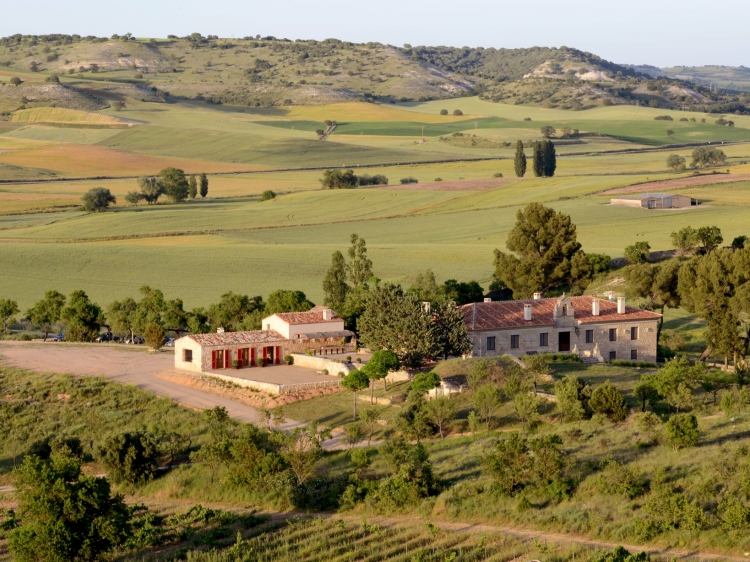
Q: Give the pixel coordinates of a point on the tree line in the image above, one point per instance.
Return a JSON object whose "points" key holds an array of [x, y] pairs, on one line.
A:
{"points": [[544, 161]]}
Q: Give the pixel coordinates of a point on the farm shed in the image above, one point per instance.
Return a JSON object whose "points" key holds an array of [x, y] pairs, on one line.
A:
{"points": [[654, 201]]}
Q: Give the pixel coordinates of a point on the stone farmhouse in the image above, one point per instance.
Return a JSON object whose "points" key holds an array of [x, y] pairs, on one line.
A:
{"points": [[595, 329], [319, 331], [654, 201]]}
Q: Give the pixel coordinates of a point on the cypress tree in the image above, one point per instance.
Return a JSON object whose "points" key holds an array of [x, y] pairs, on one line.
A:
{"points": [[334, 284], [549, 158], [204, 185], [192, 187], [538, 164], [520, 160]]}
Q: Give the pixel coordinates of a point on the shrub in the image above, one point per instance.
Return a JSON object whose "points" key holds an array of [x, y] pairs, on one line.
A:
{"points": [[438, 179], [15, 80], [267, 194], [98, 199], [619, 479], [676, 162], [410, 179], [682, 431], [53, 79], [457, 112], [129, 457], [154, 336], [607, 400], [663, 118], [497, 175], [288, 359], [443, 112], [639, 364]]}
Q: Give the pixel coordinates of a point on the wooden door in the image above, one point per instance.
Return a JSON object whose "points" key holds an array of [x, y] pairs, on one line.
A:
{"points": [[564, 341]]}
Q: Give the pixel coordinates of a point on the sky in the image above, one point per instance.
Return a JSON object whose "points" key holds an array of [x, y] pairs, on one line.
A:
{"points": [[662, 33]]}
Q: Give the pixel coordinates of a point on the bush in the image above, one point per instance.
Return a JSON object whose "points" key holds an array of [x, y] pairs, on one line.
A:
{"points": [[639, 364], [497, 175], [129, 458], [682, 431], [443, 112], [98, 199], [155, 336], [676, 162], [618, 479], [457, 112], [607, 400], [663, 117], [408, 180], [53, 79], [15, 80], [267, 194], [377, 179]]}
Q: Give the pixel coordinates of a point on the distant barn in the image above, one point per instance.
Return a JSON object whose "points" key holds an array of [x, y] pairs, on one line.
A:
{"points": [[655, 201]]}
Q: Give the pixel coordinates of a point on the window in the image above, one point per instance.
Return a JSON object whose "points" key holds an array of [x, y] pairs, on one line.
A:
{"points": [[514, 342], [543, 339], [491, 343], [565, 310], [612, 355], [651, 204], [634, 333], [187, 355], [589, 336], [634, 355], [613, 334]]}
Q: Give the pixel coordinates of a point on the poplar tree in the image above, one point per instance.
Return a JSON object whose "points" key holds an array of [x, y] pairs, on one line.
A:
{"points": [[519, 162], [204, 185], [549, 158], [192, 187], [359, 269], [538, 163], [334, 284]]}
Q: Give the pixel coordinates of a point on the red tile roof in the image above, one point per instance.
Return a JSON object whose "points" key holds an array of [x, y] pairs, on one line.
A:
{"points": [[238, 338], [509, 314], [313, 316]]}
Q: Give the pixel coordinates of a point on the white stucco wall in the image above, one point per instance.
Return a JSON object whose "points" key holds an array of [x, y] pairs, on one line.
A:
{"points": [[289, 331]]}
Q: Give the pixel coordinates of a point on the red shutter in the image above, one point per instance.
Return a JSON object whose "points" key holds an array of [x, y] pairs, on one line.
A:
{"points": [[265, 355], [213, 359], [252, 357], [278, 355], [227, 358]]}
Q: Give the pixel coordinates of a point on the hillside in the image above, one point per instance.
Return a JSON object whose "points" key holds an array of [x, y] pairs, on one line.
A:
{"points": [[268, 72]]}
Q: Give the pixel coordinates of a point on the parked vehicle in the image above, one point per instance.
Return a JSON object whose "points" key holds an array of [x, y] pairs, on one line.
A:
{"points": [[169, 343], [107, 337], [59, 337], [134, 340]]}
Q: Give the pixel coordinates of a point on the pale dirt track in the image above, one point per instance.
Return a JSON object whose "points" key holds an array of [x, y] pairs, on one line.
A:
{"points": [[677, 183]]}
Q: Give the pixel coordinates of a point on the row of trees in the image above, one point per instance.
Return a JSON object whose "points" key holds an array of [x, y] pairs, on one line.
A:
{"points": [[702, 157], [544, 157], [347, 179]]}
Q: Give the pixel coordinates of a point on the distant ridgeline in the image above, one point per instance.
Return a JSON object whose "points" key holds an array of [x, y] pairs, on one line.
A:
{"points": [[267, 71]]}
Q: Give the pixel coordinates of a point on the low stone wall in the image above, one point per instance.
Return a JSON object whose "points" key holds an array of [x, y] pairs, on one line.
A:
{"points": [[272, 388], [321, 363], [399, 376]]}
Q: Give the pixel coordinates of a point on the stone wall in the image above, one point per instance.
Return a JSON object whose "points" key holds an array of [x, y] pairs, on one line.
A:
{"points": [[321, 363], [273, 388]]}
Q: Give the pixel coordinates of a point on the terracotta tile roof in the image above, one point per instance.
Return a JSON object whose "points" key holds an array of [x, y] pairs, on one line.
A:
{"points": [[237, 338], [313, 316], [509, 314]]}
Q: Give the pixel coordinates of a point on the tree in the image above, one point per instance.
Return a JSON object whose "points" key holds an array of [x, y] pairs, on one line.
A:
{"points": [[380, 364], [670, 132], [287, 301], [353, 434], [121, 316], [676, 163], [355, 381], [537, 367], [424, 382], [15, 80], [425, 287], [213, 455], [709, 237], [519, 160], [704, 156], [82, 318], [46, 312], [526, 406], [457, 112], [685, 240], [443, 112], [8, 308], [175, 184], [339, 179], [548, 131], [192, 187], [369, 418], [64, 514], [359, 268], [302, 448], [234, 311], [267, 195], [645, 391], [397, 322], [442, 411], [486, 401], [638, 252], [739, 242], [461, 292], [98, 199], [129, 458], [607, 400], [154, 336], [682, 431], [547, 247], [151, 189], [549, 158], [334, 284], [569, 392], [203, 185], [509, 463], [449, 330], [172, 444], [537, 164]]}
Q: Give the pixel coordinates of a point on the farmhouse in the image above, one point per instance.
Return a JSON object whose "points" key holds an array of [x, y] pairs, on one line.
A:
{"points": [[597, 330], [654, 201], [319, 331]]}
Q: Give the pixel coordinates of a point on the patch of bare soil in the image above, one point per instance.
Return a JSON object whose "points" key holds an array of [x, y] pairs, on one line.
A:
{"points": [[677, 183], [245, 395], [455, 185]]}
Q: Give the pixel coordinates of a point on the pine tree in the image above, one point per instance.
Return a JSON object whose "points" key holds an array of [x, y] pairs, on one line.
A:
{"points": [[520, 160], [204, 185], [334, 284], [549, 158], [538, 164], [192, 187]]}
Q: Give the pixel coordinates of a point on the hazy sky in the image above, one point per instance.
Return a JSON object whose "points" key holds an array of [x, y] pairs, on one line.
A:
{"points": [[658, 32]]}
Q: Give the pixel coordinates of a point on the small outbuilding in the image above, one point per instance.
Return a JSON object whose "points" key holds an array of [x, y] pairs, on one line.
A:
{"points": [[655, 201]]}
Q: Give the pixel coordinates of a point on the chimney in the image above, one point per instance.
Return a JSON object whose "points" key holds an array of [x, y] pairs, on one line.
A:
{"points": [[620, 305], [527, 312], [610, 296], [327, 314], [537, 296], [219, 330], [595, 307], [268, 327], [487, 299]]}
